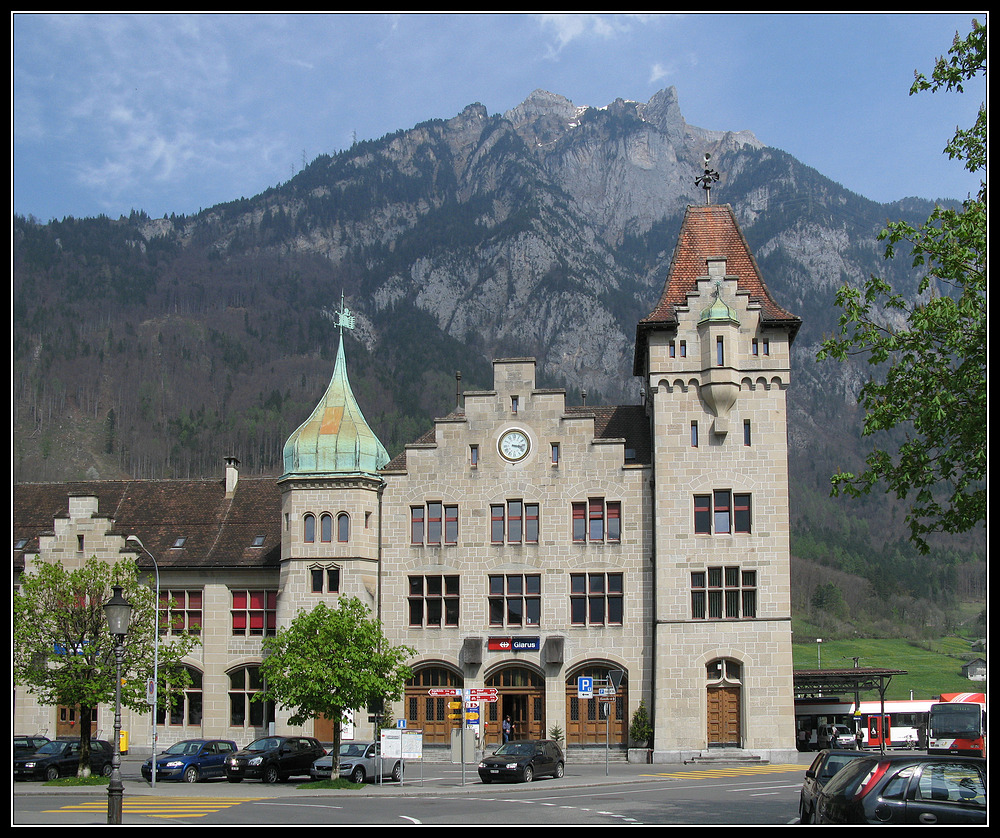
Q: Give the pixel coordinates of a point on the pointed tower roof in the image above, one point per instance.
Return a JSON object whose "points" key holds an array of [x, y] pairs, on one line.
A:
{"points": [[709, 232], [335, 439]]}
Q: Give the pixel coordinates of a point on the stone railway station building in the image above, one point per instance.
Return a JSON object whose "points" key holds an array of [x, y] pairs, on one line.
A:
{"points": [[520, 544]]}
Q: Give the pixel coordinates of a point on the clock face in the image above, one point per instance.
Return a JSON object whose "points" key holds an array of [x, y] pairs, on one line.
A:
{"points": [[514, 445]]}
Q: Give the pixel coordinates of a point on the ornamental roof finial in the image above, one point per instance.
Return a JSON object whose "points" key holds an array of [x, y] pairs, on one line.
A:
{"points": [[709, 177]]}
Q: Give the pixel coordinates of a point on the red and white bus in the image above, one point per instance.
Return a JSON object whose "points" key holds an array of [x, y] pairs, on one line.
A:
{"points": [[957, 725]]}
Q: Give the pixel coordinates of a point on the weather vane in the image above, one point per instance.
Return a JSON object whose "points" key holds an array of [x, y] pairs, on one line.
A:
{"points": [[343, 319], [707, 179]]}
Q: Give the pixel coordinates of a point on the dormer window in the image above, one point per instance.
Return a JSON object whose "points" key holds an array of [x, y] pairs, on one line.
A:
{"points": [[258, 541], [179, 542]]}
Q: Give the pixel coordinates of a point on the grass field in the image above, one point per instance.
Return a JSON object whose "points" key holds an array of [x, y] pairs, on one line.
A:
{"points": [[932, 667]]}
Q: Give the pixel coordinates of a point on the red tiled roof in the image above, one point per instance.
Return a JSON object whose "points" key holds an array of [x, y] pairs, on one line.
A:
{"points": [[710, 231]]}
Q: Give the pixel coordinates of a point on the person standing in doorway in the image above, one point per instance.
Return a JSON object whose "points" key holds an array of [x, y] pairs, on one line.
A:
{"points": [[507, 729]]}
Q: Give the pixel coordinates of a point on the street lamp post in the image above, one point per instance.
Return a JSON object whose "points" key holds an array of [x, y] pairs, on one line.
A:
{"points": [[118, 612], [156, 650]]}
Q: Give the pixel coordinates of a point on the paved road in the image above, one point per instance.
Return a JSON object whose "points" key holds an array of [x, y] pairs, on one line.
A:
{"points": [[436, 793]]}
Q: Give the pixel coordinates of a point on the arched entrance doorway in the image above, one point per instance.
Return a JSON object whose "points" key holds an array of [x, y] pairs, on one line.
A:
{"points": [[427, 712], [724, 682], [593, 721], [521, 695]]}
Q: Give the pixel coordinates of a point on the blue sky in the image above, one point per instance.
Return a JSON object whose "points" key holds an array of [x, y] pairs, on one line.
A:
{"points": [[174, 113]]}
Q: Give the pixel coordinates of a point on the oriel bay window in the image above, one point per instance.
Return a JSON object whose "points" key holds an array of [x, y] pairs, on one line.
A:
{"points": [[723, 593], [515, 599], [433, 601]]}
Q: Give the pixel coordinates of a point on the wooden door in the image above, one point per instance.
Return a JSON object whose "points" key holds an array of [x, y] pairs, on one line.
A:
{"points": [[724, 716]]}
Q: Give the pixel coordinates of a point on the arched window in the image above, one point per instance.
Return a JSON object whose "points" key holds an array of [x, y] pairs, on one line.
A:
{"points": [[244, 683], [309, 528], [343, 527], [326, 527], [185, 703]]}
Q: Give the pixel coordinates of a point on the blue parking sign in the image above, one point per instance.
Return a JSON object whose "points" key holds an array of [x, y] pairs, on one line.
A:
{"points": [[584, 687]]}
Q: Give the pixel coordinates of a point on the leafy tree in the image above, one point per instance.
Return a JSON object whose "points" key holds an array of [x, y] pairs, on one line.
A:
{"points": [[934, 364], [64, 652], [329, 661]]}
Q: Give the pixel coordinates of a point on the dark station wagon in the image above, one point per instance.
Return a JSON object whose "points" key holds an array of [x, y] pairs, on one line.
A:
{"points": [[523, 760], [274, 758]]}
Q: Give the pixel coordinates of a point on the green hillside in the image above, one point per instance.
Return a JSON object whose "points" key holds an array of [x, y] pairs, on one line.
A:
{"points": [[932, 666]]}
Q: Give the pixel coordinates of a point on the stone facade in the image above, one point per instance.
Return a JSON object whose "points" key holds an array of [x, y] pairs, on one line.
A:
{"points": [[521, 544]]}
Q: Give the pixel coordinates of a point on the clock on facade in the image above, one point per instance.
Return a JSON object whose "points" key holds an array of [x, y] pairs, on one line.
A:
{"points": [[514, 445]]}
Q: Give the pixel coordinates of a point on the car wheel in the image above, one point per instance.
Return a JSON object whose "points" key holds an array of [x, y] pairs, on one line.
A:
{"points": [[106, 771], [51, 773], [271, 775], [803, 814], [529, 774], [397, 772], [560, 770], [190, 774], [358, 775]]}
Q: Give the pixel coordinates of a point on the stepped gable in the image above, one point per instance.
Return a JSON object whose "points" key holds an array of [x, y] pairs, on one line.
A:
{"points": [[626, 422], [710, 231]]}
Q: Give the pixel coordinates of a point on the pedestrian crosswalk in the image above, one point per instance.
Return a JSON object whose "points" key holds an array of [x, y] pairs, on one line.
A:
{"points": [[160, 807]]}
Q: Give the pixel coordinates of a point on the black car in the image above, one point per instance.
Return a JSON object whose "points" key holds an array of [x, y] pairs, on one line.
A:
{"points": [[906, 789], [826, 764], [523, 760], [25, 745], [274, 758], [61, 758]]}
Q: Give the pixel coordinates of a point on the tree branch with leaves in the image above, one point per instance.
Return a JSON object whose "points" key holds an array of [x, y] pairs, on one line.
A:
{"points": [[929, 353], [330, 661], [64, 652]]}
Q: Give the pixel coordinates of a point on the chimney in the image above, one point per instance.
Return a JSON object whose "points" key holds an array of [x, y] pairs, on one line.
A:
{"points": [[232, 475]]}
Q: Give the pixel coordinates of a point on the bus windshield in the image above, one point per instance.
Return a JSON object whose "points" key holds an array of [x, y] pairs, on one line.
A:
{"points": [[955, 719]]}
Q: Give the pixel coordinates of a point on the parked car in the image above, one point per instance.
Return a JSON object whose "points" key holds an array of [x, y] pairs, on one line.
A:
{"points": [[823, 768], [274, 758], [25, 745], [906, 789], [357, 763], [60, 758], [523, 760], [191, 760], [835, 736]]}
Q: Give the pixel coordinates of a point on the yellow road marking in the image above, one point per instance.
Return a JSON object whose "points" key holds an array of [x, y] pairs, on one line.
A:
{"points": [[162, 807], [731, 771]]}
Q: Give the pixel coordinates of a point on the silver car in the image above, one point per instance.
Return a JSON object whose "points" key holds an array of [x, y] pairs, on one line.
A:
{"points": [[357, 763]]}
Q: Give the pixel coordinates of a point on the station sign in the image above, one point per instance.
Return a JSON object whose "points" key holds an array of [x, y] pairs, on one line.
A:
{"points": [[514, 644]]}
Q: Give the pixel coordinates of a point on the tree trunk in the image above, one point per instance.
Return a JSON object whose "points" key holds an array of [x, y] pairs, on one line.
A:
{"points": [[86, 714]]}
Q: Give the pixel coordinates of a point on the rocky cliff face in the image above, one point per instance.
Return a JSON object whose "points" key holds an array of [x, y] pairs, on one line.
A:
{"points": [[545, 231]]}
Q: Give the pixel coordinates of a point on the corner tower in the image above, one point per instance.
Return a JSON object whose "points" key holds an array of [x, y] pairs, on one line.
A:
{"points": [[714, 355], [330, 497]]}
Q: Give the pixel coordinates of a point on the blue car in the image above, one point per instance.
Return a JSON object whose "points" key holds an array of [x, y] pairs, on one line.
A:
{"points": [[191, 760]]}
